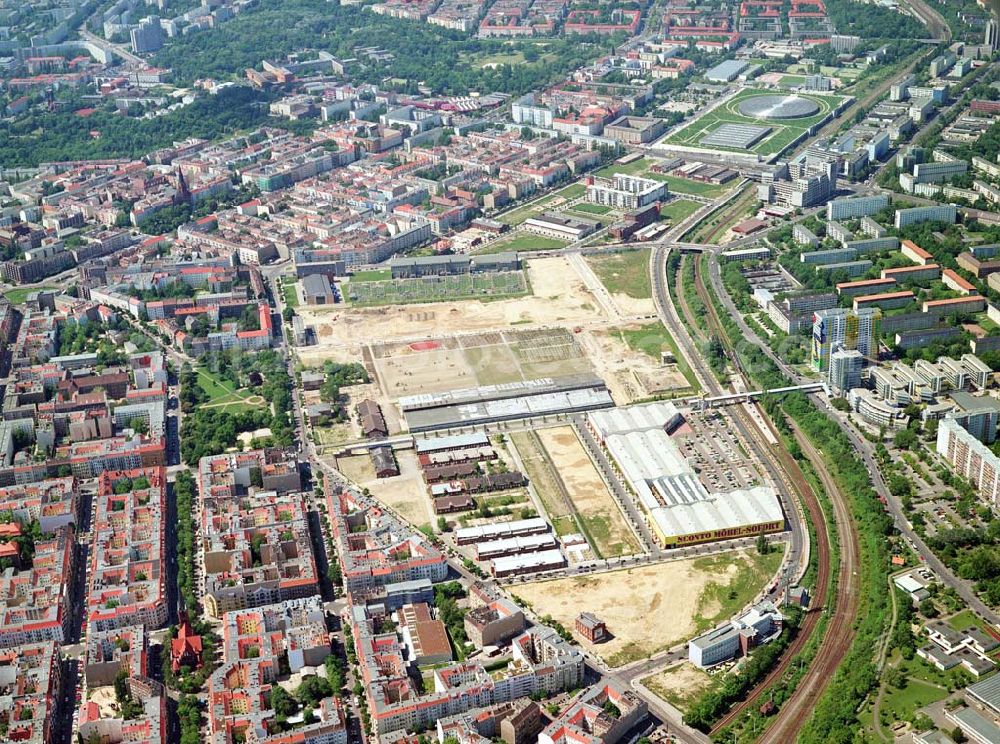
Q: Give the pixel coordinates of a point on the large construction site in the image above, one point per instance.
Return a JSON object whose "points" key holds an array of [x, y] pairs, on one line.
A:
{"points": [[520, 431]]}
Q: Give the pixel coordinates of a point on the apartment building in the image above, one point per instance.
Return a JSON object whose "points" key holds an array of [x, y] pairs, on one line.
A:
{"points": [[127, 573], [970, 459]]}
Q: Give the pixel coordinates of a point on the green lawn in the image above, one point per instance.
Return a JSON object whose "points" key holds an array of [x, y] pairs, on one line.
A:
{"points": [[375, 275], [222, 394], [525, 242], [680, 185], [624, 273], [677, 209], [902, 703], [792, 79], [966, 619], [519, 215], [290, 293], [652, 339], [20, 295], [590, 208], [213, 385], [635, 168], [572, 191]]}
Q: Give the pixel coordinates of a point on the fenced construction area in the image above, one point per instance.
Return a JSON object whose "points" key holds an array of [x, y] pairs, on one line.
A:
{"points": [[483, 286]]}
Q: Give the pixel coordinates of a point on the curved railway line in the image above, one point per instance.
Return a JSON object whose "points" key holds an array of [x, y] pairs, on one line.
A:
{"points": [[834, 645]]}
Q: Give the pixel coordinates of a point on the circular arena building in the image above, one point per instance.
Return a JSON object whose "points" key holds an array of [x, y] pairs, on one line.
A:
{"points": [[778, 107]]}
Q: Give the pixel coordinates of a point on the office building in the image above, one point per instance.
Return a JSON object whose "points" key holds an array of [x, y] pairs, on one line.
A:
{"points": [[759, 624], [845, 369]]}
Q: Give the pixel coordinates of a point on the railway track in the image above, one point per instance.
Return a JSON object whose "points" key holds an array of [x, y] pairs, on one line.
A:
{"points": [[795, 711], [840, 635]]}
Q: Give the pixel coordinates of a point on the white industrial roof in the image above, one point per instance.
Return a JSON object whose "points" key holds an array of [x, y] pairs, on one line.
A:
{"points": [[908, 584], [665, 484], [658, 415], [719, 511], [500, 529], [527, 561], [456, 441]]}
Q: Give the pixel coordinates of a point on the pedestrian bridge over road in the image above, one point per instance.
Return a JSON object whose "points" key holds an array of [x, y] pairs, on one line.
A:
{"points": [[730, 399]]}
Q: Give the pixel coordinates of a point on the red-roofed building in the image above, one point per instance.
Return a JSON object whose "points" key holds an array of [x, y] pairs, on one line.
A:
{"points": [[186, 648]]}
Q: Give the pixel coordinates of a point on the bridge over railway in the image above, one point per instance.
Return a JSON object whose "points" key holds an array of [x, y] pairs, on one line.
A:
{"points": [[745, 397]]}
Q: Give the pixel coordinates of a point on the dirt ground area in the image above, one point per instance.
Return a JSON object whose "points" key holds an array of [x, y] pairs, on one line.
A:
{"points": [[473, 359], [590, 496], [679, 685], [646, 609], [544, 480], [106, 700], [406, 494], [630, 374], [356, 468], [631, 306], [559, 297]]}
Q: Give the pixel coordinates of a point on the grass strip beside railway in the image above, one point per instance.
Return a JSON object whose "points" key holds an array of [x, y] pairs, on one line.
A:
{"points": [[835, 716]]}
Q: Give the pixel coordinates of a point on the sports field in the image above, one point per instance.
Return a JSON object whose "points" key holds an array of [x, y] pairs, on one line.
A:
{"points": [[483, 286], [783, 132], [523, 242]]}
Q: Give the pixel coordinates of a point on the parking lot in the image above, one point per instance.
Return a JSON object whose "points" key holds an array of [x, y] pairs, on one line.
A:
{"points": [[716, 453]]}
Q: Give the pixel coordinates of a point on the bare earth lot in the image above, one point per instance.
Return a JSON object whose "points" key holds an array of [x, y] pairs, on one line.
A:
{"points": [[468, 360], [559, 298], [679, 685], [598, 510], [647, 609], [406, 494], [630, 374]]}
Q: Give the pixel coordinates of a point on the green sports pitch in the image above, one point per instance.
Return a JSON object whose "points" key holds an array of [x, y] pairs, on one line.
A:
{"points": [[783, 131]]}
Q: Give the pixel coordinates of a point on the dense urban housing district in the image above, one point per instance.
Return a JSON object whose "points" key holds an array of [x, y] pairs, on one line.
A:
{"points": [[559, 371]]}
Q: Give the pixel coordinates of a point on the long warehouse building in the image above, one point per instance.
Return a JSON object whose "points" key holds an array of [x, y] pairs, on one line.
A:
{"points": [[678, 507]]}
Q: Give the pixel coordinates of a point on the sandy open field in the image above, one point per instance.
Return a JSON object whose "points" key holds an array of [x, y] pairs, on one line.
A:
{"points": [[647, 609], [630, 374], [600, 513], [559, 297], [406, 494], [679, 685], [632, 306]]}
